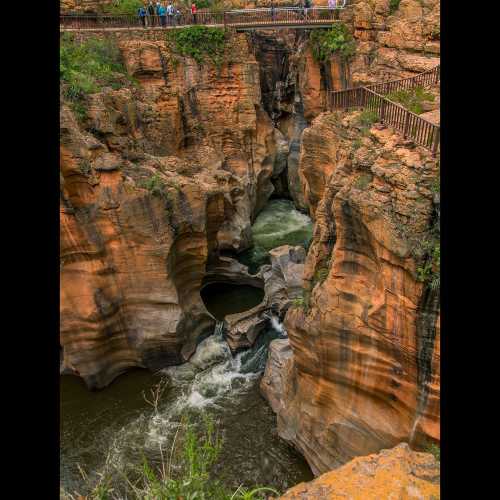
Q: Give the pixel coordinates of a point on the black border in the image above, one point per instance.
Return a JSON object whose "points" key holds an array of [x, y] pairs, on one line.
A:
{"points": [[31, 235]]}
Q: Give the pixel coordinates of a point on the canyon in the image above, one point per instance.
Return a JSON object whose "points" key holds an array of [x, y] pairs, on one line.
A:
{"points": [[162, 184]]}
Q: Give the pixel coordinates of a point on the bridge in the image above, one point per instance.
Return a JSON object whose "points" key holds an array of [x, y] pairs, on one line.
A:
{"points": [[239, 20]]}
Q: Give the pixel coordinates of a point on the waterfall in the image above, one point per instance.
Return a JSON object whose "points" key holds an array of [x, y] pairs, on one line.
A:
{"points": [[219, 328], [276, 324]]}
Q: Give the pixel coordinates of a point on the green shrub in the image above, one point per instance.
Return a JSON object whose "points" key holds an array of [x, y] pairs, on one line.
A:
{"points": [[435, 450], [154, 185], [411, 99], [86, 67], [429, 271], [199, 42], [321, 274], [325, 43], [298, 302], [118, 7], [367, 118], [393, 6], [302, 301]]}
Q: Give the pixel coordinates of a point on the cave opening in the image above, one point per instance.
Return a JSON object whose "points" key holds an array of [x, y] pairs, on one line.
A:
{"points": [[223, 298]]}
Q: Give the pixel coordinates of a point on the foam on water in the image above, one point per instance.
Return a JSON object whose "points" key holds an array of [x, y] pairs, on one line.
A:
{"points": [[217, 382]]}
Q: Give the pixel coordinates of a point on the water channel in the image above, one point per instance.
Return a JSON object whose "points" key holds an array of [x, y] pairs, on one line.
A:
{"points": [[118, 427]]}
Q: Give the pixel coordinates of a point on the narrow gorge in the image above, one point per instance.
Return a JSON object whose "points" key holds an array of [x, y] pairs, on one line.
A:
{"points": [[234, 249]]}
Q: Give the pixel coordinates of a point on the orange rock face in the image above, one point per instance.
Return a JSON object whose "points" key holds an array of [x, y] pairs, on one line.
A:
{"points": [[154, 183], [365, 341], [390, 474], [394, 45]]}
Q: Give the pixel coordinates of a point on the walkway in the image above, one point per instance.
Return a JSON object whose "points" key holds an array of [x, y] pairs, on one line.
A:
{"points": [[240, 20], [372, 97]]}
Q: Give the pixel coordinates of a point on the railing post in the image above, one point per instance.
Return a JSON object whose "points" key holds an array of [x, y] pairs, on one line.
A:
{"points": [[382, 111], [436, 138], [407, 124], [224, 19]]}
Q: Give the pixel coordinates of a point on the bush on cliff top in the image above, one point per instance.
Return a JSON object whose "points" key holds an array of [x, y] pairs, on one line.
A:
{"points": [[118, 7], [393, 6], [198, 42], [338, 39], [86, 67]]}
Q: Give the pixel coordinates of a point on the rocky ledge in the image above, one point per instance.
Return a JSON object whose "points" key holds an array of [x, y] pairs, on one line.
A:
{"points": [[391, 474]]}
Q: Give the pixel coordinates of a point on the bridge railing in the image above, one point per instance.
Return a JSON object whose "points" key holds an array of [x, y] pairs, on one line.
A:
{"points": [[424, 79], [414, 127], [276, 16], [282, 15]]}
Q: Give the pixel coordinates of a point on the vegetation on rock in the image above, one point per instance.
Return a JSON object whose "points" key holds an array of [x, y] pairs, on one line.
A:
{"points": [[393, 6], [435, 450], [411, 99], [199, 42], [337, 40], [87, 67], [367, 118], [118, 7], [154, 185]]}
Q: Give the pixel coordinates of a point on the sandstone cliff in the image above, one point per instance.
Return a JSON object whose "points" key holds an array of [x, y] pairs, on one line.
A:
{"points": [[363, 370], [156, 180], [390, 474]]}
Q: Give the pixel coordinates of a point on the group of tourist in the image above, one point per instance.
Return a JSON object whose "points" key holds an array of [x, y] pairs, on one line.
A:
{"points": [[161, 14], [166, 14]]}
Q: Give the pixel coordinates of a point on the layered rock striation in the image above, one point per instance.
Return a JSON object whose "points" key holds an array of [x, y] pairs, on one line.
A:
{"points": [[362, 370], [156, 180]]}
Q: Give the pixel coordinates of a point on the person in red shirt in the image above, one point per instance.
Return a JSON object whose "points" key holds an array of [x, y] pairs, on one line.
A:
{"points": [[193, 12]]}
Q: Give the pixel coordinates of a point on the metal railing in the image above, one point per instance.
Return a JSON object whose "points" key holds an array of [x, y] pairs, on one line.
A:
{"points": [[281, 16], [414, 127], [425, 79]]}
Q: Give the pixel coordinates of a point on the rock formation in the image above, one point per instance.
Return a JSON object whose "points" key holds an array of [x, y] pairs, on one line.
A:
{"points": [[282, 283], [390, 474], [160, 182], [156, 180], [363, 373]]}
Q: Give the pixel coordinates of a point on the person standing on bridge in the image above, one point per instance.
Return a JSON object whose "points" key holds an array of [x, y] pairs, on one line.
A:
{"points": [[162, 14], [151, 13], [193, 12], [307, 6], [170, 13], [142, 15]]}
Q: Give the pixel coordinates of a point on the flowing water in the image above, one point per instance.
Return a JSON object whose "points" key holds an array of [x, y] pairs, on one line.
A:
{"points": [[117, 425], [279, 223]]}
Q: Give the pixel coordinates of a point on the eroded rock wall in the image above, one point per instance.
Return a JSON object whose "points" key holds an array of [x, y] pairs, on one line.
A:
{"points": [[365, 339], [156, 179], [393, 45]]}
